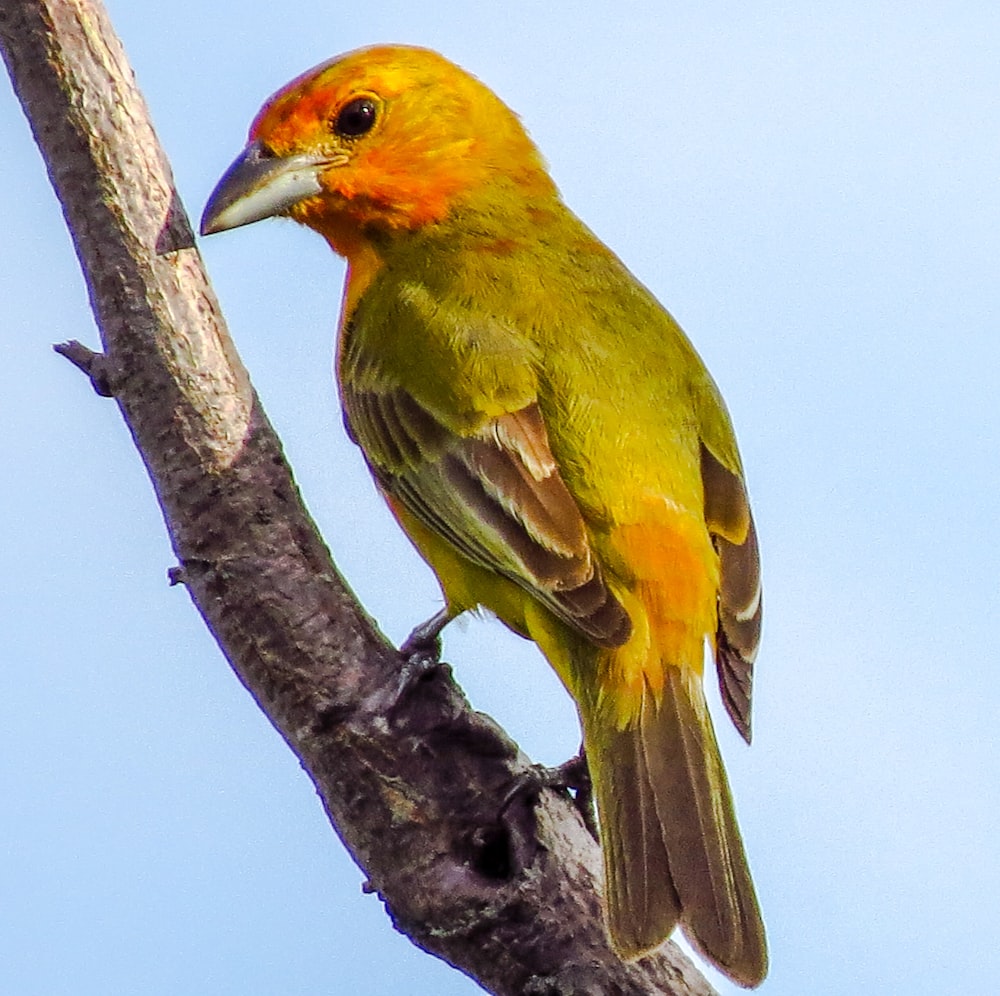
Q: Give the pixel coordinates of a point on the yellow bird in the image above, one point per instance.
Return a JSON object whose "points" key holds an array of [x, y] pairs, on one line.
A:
{"points": [[549, 440]]}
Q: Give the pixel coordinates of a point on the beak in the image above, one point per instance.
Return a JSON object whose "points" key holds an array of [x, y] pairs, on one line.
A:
{"points": [[260, 185]]}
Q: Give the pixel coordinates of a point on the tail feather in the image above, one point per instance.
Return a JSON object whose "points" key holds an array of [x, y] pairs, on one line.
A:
{"points": [[672, 846], [643, 905]]}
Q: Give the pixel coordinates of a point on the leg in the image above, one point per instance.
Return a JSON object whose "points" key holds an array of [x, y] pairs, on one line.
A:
{"points": [[421, 652], [425, 639]]}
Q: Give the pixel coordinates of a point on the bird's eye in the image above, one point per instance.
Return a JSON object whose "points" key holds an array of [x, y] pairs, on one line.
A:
{"points": [[356, 118]]}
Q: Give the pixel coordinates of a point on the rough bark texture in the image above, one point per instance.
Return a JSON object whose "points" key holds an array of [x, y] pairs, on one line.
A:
{"points": [[414, 787]]}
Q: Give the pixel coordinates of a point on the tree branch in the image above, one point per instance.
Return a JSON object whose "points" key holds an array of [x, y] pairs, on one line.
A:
{"points": [[414, 790]]}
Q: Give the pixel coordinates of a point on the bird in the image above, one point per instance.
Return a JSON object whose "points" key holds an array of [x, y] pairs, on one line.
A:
{"points": [[549, 440]]}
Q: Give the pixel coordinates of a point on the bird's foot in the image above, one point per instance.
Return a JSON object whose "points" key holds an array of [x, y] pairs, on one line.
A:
{"points": [[425, 640], [572, 776], [421, 652]]}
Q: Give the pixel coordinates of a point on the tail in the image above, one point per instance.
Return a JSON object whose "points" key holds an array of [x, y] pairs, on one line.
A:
{"points": [[672, 847]]}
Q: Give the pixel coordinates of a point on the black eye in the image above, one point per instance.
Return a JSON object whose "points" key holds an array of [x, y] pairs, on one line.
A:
{"points": [[355, 118]]}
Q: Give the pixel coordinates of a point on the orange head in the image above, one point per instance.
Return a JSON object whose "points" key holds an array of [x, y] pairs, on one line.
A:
{"points": [[383, 139]]}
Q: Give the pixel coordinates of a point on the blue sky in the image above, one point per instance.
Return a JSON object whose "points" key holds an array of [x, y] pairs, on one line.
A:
{"points": [[813, 193]]}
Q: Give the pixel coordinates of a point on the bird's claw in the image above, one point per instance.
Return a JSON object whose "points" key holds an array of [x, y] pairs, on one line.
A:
{"points": [[421, 653], [416, 666], [572, 776]]}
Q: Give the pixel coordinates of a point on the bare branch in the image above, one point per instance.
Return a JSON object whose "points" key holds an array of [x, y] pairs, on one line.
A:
{"points": [[91, 363], [416, 791]]}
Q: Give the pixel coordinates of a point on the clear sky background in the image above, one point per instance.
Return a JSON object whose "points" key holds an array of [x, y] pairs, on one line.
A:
{"points": [[813, 192]]}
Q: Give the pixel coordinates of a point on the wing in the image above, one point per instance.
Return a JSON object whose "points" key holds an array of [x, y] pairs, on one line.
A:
{"points": [[497, 496], [727, 513]]}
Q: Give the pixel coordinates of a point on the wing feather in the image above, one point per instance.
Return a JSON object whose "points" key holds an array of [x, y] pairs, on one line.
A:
{"points": [[497, 496], [727, 513]]}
